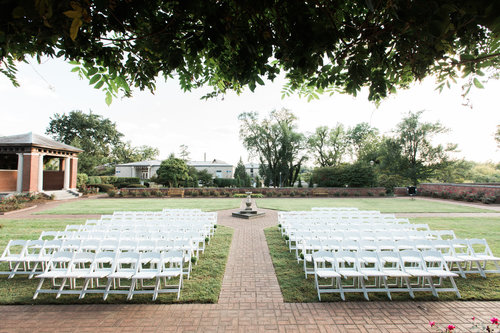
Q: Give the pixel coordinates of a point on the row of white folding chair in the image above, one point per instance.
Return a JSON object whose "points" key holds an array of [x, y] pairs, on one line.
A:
{"points": [[132, 266], [335, 223], [138, 230], [295, 239], [354, 226], [29, 256], [464, 255], [359, 228], [198, 238], [403, 267]]}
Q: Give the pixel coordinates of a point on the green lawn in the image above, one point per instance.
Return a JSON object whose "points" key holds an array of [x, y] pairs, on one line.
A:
{"points": [[296, 288], [203, 286], [385, 205], [108, 206]]}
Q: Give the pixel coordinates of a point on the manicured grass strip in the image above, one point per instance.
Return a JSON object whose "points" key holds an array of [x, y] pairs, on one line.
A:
{"points": [[108, 206], [203, 287], [385, 205], [295, 288]]}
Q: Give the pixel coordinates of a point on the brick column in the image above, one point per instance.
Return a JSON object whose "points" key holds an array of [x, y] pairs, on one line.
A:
{"points": [[73, 172], [20, 164], [30, 174]]}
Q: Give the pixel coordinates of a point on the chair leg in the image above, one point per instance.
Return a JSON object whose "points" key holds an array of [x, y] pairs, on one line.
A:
{"points": [[106, 291], [38, 288], [63, 283]]}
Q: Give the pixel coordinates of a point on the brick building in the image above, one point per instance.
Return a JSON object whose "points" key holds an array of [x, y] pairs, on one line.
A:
{"points": [[24, 161]]}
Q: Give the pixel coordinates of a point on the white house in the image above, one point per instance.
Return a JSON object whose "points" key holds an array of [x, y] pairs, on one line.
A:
{"points": [[142, 169], [147, 169], [217, 168], [252, 169]]}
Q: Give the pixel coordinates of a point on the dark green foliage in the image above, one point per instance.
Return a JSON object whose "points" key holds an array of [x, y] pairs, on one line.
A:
{"points": [[172, 171], [225, 182], [104, 188], [121, 182], [136, 186], [353, 175], [242, 177], [327, 47]]}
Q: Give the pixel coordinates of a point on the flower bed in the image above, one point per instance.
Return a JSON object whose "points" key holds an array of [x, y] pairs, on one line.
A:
{"points": [[20, 201]]}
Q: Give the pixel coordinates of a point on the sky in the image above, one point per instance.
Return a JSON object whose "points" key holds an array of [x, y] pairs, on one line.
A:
{"points": [[171, 117]]}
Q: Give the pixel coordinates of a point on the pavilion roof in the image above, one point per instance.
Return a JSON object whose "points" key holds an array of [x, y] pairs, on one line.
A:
{"points": [[35, 140]]}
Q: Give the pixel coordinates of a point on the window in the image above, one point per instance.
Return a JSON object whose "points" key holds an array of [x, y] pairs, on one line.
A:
{"points": [[8, 162], [218, 174]]}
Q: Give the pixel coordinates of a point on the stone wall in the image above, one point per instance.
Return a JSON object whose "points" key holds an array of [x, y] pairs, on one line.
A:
{"points": [[490, 190]]}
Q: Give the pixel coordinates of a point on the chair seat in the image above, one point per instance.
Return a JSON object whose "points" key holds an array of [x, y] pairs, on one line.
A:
{"points": [[487, 257], [145, 275], [326, 273], [442, 273], [452, 259], [371, 272], [52, 275], [395, 273], [170, 273], [418, 272], [350, 273]]}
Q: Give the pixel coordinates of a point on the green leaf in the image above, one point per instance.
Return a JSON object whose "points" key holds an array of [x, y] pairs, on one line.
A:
{"points": [[91, 71], [95, 78], [259, 80], [478, 84], [109, 98], [99, 84], [73, 62], [75, 69]]}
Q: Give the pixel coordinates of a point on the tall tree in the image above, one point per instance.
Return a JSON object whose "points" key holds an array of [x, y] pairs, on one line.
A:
{"points": [[98, 137], [411, 153], [360, 138], [329, 145], [172, 171], [276, 143], [327, 46], [240, 172]]}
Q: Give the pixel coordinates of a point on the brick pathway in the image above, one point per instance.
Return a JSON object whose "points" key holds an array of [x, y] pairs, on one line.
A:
{"points": [[250, 301]]}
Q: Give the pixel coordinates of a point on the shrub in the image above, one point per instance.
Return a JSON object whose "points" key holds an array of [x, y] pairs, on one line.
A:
{"points": [[345, 193], [136, 186], [145, 194], [381, 194], [216, 194], [370, 194], [104, 188], [224, 182], [278, 194], [470, 197], [111, 193], [336, 194], [489, 199], [292, 194], [356, 194], [354, 175], [194, 193], [81, 179], [303, 194], [269, 194], [132, 193], [94, 180]]}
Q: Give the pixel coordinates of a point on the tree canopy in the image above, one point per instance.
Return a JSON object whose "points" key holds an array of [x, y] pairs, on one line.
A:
{"points": [[98, 137], [320, 46], [172, 171]]}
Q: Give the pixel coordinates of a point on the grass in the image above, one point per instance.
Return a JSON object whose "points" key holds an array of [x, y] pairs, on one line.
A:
{"points": [[108, 206], [385, 205], [203, 287], [295, 288]]}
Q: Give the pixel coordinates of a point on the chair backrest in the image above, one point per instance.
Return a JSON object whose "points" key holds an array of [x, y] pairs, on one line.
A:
{"points": [[15, 246], [480, 246]]}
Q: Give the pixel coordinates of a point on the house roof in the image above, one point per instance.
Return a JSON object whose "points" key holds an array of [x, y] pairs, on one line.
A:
{"points": [[252, 165], [215, 162], [36, 140], [142, 163]]}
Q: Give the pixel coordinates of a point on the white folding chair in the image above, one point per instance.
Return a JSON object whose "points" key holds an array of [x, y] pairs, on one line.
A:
{"points": [[148, 269], [124, 267], [324, 268], [57, 268], [13, 254], [171, 267], [436, 265], [481, 250], [369, 265]]}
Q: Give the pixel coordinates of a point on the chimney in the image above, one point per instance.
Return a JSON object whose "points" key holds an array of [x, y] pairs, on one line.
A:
{"points": [[204, 157]]}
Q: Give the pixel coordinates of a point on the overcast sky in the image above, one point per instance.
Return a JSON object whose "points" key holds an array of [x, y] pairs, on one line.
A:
{"points": [[170, 117]]}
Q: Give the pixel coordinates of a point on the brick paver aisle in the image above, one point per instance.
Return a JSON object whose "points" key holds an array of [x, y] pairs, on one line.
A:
{"points": [[249, 278]]}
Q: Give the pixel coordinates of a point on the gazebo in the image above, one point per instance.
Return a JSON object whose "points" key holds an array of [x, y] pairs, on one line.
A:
{"points": [[33, 163]]}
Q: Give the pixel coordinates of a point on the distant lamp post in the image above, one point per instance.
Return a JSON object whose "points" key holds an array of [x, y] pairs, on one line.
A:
{"points": [[372, 163], [280, 178]]}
